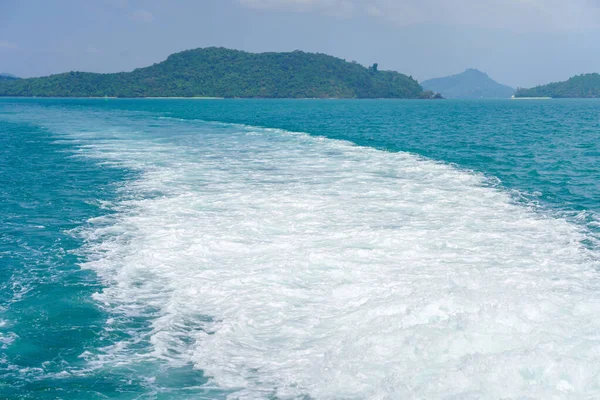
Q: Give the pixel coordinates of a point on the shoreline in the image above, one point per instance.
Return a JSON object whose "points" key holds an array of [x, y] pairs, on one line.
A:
{"points": [[281, 98], [175, 98], [539, 98], [112, 98]]}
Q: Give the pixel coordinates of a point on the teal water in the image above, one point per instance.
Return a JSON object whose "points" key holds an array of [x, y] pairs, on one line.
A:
{"points": [[299, 249]]}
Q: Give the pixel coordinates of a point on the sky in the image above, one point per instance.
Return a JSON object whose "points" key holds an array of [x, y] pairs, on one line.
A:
{"points": [[521, 43]]}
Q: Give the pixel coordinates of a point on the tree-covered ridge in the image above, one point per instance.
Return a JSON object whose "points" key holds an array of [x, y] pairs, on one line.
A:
{"points": [[219, 72], [7, 77], [579, 86], [470, 84]]}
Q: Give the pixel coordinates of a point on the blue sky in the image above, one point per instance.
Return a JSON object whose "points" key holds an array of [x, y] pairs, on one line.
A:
{"points": [[517, 42]]}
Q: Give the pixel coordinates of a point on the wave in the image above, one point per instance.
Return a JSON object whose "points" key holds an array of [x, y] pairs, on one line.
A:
{"points": [[286, 265]]}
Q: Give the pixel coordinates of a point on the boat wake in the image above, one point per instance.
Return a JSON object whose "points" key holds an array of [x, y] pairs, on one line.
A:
{"points": [[286, 265]]}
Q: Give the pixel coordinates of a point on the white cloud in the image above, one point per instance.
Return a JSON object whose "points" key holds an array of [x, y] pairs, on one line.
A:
{"points": [[6, 45], [537, 15], [93, 50], [343, 8], [118, 3], [142, 16], [373, 11]]}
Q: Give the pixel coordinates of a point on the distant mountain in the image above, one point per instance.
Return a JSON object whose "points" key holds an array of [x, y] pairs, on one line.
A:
{"points": [[219, 72], [471, 84], [579, 86], [7, 77]]}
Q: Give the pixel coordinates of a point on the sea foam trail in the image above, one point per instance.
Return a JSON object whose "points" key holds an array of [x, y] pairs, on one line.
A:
{"points": [[287, 265]]}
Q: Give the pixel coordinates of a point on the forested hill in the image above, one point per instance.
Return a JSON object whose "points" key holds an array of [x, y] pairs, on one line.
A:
{"points": [[219, 72], [7, 77], [579, 86], [471, 84]]}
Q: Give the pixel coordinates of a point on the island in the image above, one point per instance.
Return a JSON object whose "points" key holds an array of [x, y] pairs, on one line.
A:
{"points": [[7, 77], [224, 73], [470, 84], [579, 86]]}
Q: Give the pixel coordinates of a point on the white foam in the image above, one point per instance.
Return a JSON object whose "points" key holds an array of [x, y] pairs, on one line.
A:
{"points": [[290, 265]]}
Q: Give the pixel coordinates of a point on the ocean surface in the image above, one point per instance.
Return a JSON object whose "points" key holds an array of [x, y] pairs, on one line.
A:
{"points": [[299, 249]]}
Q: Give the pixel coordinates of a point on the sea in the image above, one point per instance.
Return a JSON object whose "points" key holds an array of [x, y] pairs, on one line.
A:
{"points": [[299, 249]]}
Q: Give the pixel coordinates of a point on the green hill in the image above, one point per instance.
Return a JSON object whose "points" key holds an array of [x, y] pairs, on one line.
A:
{"points": [[219, 72], [579, 86], [471, 84], [7, 77]]}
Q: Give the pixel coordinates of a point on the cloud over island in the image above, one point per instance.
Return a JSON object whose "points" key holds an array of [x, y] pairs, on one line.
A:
{"points": [[539, 15]]}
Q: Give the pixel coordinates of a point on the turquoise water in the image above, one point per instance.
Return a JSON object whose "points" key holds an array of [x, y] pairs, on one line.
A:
{"points": [[299, 249]]}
